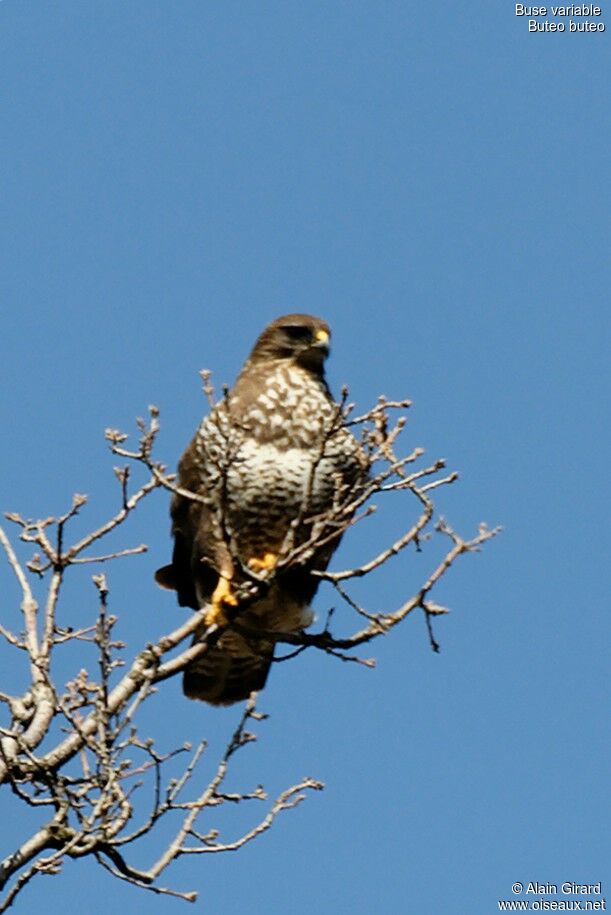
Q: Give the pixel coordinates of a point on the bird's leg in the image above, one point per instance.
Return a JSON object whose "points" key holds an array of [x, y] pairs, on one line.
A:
{"points": [[222, 596], [264, 563]]}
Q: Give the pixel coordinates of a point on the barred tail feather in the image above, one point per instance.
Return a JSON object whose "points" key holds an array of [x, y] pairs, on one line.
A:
{"points": [[229, 671]]}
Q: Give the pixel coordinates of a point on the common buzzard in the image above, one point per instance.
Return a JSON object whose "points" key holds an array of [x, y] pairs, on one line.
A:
{"points": [[271, 456]]}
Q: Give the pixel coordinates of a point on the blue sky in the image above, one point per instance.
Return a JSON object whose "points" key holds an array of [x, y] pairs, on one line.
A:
{"points": [[434, 181]]}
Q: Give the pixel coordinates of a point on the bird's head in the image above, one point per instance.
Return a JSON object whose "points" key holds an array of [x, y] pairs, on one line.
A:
{"points": [[303, 339]]}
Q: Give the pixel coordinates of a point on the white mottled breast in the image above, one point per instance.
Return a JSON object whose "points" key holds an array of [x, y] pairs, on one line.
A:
{"points": [[259, 450], [265, 474]]}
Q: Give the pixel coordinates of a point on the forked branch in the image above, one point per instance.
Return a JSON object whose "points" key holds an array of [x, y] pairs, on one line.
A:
{"points": [[87, 782]]}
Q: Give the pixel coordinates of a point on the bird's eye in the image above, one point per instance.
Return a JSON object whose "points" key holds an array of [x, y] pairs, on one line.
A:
{"points": [[298, 332]]}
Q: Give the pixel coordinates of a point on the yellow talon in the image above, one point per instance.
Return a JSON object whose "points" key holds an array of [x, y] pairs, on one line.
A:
{"points": [[223, 595], [264, 564]]}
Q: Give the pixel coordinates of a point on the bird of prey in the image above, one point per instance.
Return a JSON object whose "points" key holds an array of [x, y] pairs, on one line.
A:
{"points": [[269, 459]]}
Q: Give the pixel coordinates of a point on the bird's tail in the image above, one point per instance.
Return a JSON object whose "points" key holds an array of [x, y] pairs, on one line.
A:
{"points": [[229, 670], [238, 664]]}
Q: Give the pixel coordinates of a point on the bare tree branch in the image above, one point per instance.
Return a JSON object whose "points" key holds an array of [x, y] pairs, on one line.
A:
{"points": [[96, 764]]}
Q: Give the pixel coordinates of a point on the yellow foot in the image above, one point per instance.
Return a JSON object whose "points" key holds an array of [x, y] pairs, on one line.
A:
{"points": [[264, 564], [222, 596]]}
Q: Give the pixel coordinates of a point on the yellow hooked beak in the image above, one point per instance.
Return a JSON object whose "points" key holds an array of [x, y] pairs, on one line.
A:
{"points": [[321, 338]]}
